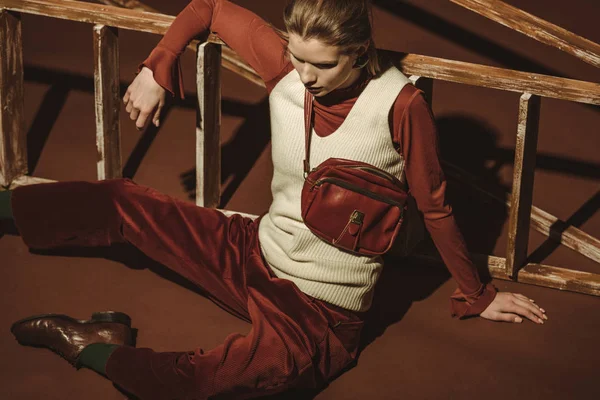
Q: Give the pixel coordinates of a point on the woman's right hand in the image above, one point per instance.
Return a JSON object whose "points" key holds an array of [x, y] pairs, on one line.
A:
{"points": [[510, 307], [144, 97]]}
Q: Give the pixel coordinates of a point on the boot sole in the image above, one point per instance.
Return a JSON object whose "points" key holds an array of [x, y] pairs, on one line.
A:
{"points": [[103, 316]]}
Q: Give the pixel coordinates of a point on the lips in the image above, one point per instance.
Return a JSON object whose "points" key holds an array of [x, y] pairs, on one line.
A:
{"points": [[313, 89]]}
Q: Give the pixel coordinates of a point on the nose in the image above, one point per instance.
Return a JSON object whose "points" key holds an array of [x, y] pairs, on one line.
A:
{"points": [[307, 75]]}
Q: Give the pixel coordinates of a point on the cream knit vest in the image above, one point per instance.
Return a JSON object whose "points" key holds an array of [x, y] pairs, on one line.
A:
{"points": [[292, 251]]}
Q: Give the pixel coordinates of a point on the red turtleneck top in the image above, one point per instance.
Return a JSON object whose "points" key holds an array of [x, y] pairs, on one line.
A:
{"points": [[411, 123]]}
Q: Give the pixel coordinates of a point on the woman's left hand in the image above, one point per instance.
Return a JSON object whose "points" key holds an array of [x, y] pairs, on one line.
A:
{"points": [[510, 307]]}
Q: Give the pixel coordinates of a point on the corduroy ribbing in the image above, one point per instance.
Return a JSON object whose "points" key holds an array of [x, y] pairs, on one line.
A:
{"points": [[292, 251]]}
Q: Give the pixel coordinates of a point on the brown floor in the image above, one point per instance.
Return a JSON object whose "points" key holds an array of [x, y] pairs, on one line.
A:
{"points": [[416, 350]]}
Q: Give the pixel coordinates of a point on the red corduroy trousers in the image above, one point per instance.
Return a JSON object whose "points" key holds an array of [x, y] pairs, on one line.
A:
{"points": [[296, 341]]}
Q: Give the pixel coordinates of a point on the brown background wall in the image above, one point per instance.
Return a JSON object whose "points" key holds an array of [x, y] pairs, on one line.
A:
{"points": [[420, 353]]}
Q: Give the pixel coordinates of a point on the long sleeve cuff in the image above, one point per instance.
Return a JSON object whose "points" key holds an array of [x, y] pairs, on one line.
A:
{"points": [[166, 69], [463, 306]]}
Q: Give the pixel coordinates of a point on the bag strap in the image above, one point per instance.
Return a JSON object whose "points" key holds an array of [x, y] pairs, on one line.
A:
{"points": [[308, 123]]}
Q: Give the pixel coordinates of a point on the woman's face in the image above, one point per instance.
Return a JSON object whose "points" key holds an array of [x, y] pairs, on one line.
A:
{"points": [[322, 67]]}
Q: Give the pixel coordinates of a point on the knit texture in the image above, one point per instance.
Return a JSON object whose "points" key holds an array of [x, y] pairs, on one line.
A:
{"points": [[292, 251]]}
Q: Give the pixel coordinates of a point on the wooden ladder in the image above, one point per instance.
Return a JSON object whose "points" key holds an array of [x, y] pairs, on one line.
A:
{"points": [[107, 19]]}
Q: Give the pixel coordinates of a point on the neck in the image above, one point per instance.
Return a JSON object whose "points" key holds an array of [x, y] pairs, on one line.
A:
{"points": [[352, 79], [345, 92]]}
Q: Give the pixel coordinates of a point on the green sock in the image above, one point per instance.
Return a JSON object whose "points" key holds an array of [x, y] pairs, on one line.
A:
{"points": [[95, 356], [5, 207]]}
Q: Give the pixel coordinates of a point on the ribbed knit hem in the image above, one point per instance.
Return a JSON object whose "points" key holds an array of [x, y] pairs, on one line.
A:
{"points": [[344, 296]]}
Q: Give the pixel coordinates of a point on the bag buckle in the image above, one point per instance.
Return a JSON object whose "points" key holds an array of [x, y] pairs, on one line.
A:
{"points": [[357, 217], [352, 229]]}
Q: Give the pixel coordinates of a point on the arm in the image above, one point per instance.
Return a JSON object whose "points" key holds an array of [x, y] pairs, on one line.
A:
{"points": [[250, 36], [417, 136], [246, 33]]}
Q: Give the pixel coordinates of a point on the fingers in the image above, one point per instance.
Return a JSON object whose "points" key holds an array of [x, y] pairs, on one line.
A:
{"points": [[129, 107], [156, 118], [518, 304], [137, 113], [141, 120], [133, 115], [529, 310], [144, 99], [530, 300], [514, 307], [526, 299], [141, 116], [508, 317]]}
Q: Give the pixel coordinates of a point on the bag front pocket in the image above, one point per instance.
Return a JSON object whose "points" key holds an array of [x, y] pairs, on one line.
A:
{"points": [[358, 221]]}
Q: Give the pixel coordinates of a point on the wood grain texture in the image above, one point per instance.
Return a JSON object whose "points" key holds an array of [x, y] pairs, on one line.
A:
{"points": [[28, 180], [424, 66], [131, 4], [533, 274], [568, 235], [522, 188], [544, 275], [230, 60], [93, 14], [536, 28], [208, 125], [13, 140], [107, 102], [498, 78], [541, 221], [410, 64]]}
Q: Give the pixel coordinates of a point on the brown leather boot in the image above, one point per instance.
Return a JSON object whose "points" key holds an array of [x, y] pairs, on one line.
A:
{"points": [[67, 336]]}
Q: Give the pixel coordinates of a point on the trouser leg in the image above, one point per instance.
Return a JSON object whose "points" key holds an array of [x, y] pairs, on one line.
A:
{"points": [[295, 342], [201, 244]]}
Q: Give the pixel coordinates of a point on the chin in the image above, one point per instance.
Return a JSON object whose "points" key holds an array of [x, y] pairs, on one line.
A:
{"points": [[322, 93]]}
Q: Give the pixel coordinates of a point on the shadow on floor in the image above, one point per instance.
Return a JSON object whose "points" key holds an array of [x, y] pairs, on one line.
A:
{"points": [[398, 288], [401, 283], [241, 153]]}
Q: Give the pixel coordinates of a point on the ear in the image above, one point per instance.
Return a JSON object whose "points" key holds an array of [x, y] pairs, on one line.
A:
{"points": [[361, 58], [359, 51], [364, 47]]}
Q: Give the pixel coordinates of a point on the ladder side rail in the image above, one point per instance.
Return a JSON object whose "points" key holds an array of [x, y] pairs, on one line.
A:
{"points": [[208, 125], [107, 102], [536, 28], [13, 138], [523, 179]]}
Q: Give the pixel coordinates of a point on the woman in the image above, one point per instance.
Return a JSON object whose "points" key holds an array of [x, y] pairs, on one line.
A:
{"points": [[306, 299]]}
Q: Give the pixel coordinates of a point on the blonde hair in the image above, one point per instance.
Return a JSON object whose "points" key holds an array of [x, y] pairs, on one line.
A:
{"points": [[342, 23]]}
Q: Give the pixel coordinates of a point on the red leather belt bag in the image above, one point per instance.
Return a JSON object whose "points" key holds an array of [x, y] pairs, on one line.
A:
{"points": [[350, 204]]}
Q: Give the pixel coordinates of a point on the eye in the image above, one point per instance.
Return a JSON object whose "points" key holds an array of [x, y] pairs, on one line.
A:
{"points": [[290, 55], [325, 66]]}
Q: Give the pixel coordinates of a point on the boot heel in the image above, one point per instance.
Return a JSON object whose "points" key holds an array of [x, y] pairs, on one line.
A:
{"points": [[112, 316]]}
